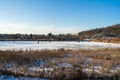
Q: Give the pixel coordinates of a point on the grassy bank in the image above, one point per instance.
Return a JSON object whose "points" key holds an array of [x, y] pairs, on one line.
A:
{"points": [[108, 40]]}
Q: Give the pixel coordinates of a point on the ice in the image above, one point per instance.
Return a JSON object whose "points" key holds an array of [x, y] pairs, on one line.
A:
{"points": [[19, 78], [34, 45], [7, 78]]}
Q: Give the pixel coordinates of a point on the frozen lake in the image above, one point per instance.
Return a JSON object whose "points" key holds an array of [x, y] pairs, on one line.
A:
{"points": [[35, 45]]}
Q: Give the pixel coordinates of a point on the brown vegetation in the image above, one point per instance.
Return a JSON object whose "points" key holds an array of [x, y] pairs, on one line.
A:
{"points": [[22, 56], [108, 40], [107, 58], [110, 31]]}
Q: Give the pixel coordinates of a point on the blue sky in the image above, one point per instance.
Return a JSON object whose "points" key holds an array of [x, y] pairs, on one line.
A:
{"points": [[57, 16]]}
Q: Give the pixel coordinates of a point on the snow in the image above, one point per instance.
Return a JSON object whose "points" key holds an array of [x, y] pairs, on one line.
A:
{"points": [[48, 69], [40, 69], [66, 65], [34, 45], [97, 67], [113, 71], [35, 68], [118, 67], [87, 70]]}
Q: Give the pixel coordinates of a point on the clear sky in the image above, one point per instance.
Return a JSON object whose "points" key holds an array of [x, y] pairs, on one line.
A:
{"points": [[57, 16]]}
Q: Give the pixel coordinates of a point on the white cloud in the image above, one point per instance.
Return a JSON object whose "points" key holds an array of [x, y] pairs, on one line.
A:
{"points": [[12, 27]]}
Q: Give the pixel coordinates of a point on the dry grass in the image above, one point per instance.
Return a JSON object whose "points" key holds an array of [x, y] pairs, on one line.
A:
{"points": [[109, 40], [107, 57], [20, 56]]}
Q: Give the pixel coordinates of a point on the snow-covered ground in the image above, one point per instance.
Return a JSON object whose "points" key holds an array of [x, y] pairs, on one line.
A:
{"points": [[35, 45]]}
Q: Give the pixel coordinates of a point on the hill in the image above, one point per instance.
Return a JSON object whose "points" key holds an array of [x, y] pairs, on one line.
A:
{"points": [[110, 31]]}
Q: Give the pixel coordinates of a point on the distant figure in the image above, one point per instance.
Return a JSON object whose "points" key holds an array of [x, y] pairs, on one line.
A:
{"points": [[38, 42]]}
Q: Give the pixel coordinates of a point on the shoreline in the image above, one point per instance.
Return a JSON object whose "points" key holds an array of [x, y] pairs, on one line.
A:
{"points": [[108, 40], [105, 40]]}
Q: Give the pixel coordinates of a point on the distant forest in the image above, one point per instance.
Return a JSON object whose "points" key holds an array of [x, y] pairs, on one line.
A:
{"points": [[110, 31], [38, 37]]}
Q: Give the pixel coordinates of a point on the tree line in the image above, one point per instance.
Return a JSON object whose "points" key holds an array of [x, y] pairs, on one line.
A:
{"points": [[110, 31], [49, 36]]}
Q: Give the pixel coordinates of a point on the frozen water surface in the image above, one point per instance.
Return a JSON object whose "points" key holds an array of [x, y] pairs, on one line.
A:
{"points": [[19, 78], [34, 45]]}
